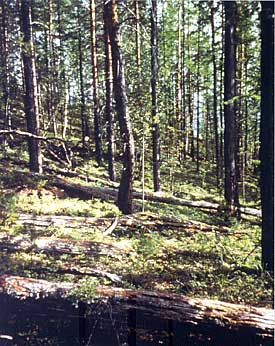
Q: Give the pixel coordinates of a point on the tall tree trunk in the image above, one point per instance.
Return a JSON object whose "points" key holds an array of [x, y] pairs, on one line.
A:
{"points": [[183, 124], [267, 134], [221, 93], [215, 99], [4, 46], [30, 100], [190, 129], [108, 103], [52, 71], [178, 82], [124, 200], [198, 96], [154, 76], [207, 128], [230, 183], [84, 121], [97, 132]]}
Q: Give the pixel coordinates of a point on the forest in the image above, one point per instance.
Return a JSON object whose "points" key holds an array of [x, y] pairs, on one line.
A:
{"points": [[136, 172]]}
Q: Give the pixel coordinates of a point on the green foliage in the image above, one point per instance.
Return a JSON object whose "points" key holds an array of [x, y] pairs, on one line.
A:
{"points": [[86, 291]]}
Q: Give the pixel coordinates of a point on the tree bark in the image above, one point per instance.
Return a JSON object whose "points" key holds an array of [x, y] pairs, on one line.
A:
{"points": [[52, 74], [84, 121], [5, 73], [154, 112], [267, 134], [230, 182], [30, 99], [97, 131], [215, 97], [178, 82], [204, 315], [108, 104], [124, 199]]}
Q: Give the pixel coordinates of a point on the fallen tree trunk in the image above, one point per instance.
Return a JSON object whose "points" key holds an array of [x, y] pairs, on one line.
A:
{"points": [[107, 193], [53, 245], [107, 225], [204, 313], [77, 270], [104, 193]]}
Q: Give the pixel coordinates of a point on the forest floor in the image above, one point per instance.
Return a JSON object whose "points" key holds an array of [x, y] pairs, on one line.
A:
{"points": [[170, 248]]}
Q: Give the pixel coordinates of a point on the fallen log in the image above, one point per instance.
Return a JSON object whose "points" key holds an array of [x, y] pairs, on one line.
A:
{"points": [[77, 270], [87, 192], [108, 225], [104, 193], [54, 245], [204, 313]]}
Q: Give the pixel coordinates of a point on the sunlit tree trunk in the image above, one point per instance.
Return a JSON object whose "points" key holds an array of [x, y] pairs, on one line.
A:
{"points": [[83, 116], [178, 81], [97, 131], [230, 183], [198, 96], [155, 120], [52, 71], [215, 96], [124, 200], [108, 103]]}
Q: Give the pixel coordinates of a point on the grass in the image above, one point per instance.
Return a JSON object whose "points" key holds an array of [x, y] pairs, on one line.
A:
{"points": [[212, 264]]}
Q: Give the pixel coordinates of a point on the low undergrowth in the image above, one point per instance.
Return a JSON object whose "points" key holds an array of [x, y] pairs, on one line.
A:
{"points": [[201, 263]]}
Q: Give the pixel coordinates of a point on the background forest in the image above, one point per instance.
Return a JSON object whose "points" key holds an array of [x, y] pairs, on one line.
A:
{"points": [[154, 118]]}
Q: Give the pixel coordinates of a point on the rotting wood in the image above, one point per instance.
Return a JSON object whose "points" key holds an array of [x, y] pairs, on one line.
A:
{"points": [[194, 311]]}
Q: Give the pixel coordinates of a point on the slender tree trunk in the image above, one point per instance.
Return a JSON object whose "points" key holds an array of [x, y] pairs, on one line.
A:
{"points": [[84, 121], [52, 70], [183, 124], [207, 129], [30, 100], [190, 129], [97, 131], [221, 93], [108, 103], [198, 97], [267, 134], [124, 200], [230, 183], [4, 67], [178, 82], [215, 97], [154, 76]]}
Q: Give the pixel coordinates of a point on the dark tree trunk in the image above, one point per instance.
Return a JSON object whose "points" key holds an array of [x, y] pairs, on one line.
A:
{"points": [[230, 183], [30, 100], [215, 99], [124, 199], [108, 103], [266, 133], [97, 132], [155, 121], [4, 46], [221, 94]]}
